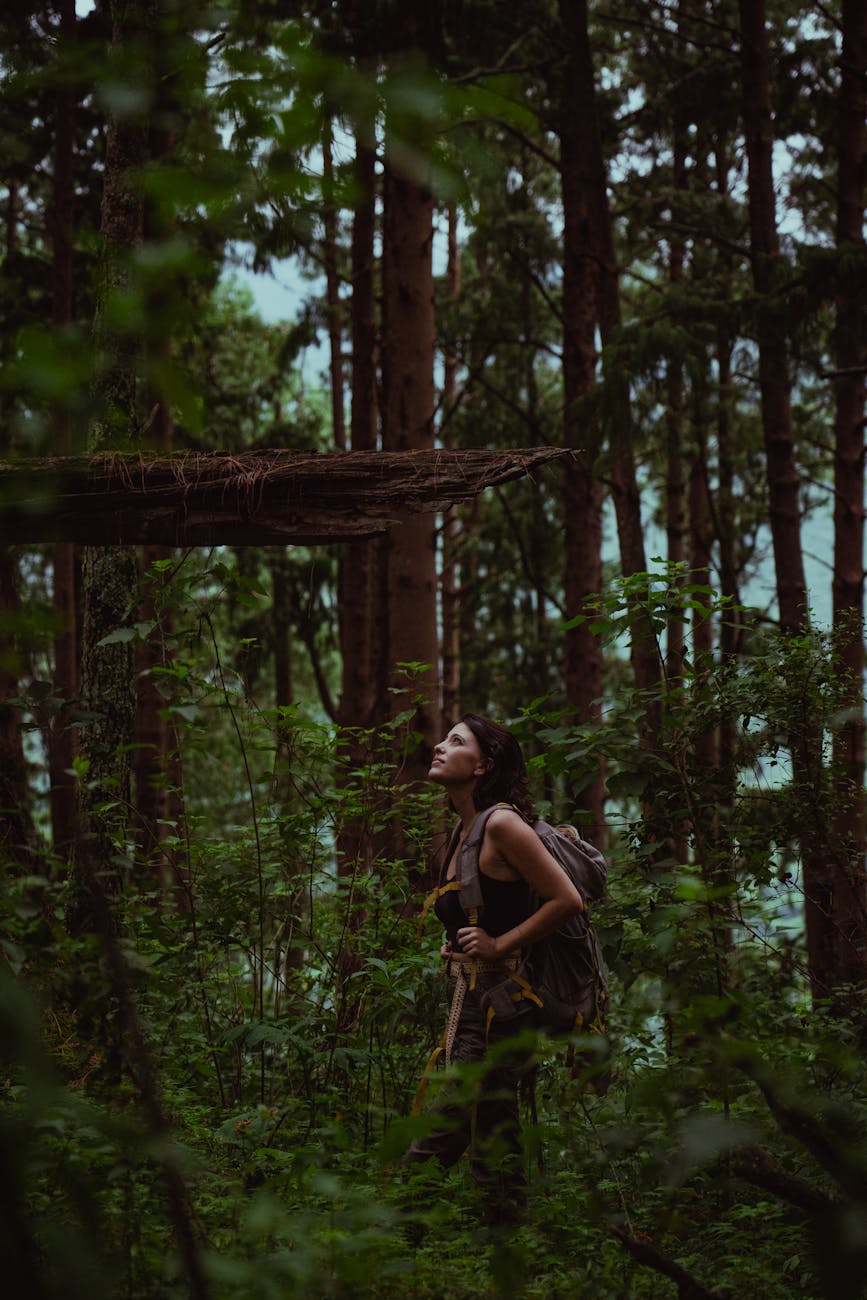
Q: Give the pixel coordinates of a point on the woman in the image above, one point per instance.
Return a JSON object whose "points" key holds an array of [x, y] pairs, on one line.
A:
{"points": [[480, 764]]}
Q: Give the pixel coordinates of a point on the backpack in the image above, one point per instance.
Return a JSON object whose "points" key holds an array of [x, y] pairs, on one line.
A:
{"points": [[560, 985]]}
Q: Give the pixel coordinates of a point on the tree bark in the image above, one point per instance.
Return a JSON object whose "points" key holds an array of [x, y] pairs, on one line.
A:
{"points": [[726, 533], [450, 592], [17, 833], [700, 542], [645, 1252], [158, 801], [408, 411], [782, 471], [250, 498], [359, 628], [675, 505], [675, 516], [590, 166], [282, 605], [730, 618], [820, 876], [850, 357], [16, 824], [706, 825], [361, 593], [110, 574], [65, 564], [332, 290], [582, 488]]}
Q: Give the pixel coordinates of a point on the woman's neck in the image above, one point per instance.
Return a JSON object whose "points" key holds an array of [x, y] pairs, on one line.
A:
{"points": [[464, 806]]}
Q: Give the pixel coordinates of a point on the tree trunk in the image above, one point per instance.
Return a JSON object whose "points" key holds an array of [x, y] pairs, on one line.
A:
{"points": [[782, 472], [332, 290], [700, 542], [240, 498], [110, 573], [850, 357], [582, 489], [65, 565], [408, 395], [729, 560], [158, 806], [783, 487], [730, 619], [725, 514], [360, 628], [589, 164], [16, 825], [450, 594], [158, 799], [675, 506], [360, 592], [17, 833], [675, 516]]}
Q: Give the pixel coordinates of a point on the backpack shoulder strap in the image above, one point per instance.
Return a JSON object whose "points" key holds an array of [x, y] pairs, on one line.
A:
{"points": [[467, 865], [449, 853], [466, 878], [442, 886]]}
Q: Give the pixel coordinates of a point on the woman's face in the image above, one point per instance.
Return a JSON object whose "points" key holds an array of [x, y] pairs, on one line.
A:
{"points": [[457, 759]]}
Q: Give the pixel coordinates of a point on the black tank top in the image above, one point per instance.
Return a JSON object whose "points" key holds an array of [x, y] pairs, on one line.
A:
{"points": [[507, 904]]}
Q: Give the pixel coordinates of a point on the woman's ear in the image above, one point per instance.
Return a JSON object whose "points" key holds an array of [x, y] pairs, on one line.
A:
{"points": [[483, 767]]}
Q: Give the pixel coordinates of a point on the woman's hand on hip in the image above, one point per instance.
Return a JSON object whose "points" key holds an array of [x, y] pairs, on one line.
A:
{"points": [[476, 942]]}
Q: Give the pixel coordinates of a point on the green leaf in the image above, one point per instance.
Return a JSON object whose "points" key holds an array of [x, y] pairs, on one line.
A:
{"points": [[120, 636]]}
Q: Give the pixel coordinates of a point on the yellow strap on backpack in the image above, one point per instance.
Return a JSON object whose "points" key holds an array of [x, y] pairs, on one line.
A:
{"points": [[431, 899], [526, 992], [425, 1079]]}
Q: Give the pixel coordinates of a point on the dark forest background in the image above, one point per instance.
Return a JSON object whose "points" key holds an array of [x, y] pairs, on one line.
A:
{"points": [[633, 230]]}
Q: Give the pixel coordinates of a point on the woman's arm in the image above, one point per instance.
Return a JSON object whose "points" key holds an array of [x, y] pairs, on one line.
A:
{"points": [[519, 846]]}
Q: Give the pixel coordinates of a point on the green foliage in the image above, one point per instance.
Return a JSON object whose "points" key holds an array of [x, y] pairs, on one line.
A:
{"points": [[289, 1010]]}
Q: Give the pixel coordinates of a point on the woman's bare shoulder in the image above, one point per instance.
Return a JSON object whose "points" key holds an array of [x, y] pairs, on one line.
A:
{"points": [[506, 823]]}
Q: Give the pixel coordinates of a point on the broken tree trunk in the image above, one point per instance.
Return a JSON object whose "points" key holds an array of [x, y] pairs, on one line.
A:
{"points": [[250, 498]]}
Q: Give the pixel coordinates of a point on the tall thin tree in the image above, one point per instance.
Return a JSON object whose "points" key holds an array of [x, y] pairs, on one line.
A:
{"points": [[582, 486], [110, 573], [850, 363], [624, 484], [65, 566], [408, 347], [819, 875]]}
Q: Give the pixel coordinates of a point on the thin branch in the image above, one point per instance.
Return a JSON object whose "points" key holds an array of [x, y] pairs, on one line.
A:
{"points": [[510, 129], [500, 66], [683, 228], [556, 310], [835, 1155], [258, 993], [509, 403], [305, 631], [700, 20], [534, 578], [645, 1252], [757, 1166], [833, 19]]}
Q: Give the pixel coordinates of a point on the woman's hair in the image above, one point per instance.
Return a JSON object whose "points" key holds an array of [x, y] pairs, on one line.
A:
{"points": [[506, 780]]}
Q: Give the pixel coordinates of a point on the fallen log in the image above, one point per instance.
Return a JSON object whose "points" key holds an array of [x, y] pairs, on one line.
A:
{"points": [[249, 498]]}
